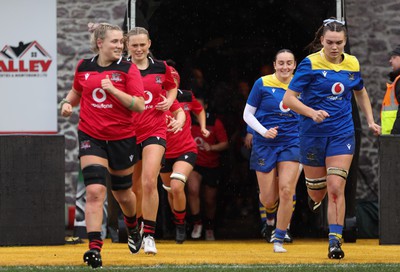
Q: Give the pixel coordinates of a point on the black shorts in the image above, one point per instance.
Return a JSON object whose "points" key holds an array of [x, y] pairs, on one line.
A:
{"points": [[149, 141], [210, 176], [121, 154], [189, 157]]}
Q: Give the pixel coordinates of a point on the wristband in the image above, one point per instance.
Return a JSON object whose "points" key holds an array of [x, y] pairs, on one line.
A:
{"points": [[64, 101], [132, 103]]}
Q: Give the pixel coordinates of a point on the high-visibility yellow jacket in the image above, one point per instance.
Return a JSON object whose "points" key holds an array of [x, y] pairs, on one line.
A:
{"points": [[390, 105]]}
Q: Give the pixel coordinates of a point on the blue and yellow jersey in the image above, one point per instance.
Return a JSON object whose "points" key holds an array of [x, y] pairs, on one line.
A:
{"points": [[267, 95], [327, 86]]}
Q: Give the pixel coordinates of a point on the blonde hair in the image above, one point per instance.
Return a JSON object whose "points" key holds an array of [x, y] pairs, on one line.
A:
{"points": [[98, 31], [137, 31]]}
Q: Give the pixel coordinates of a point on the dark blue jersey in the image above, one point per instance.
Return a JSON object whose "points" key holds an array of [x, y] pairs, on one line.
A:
{"points": [[327, 86], [267, 95]]}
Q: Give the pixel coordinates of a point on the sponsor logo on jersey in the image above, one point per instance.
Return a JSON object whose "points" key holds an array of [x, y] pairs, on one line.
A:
{"points": [[148, 97], [283, 107], [348, 146], [337, 88], [199, 142], [324, 73], [87, 76], [99, 96], [131, 157], [273, 90]]}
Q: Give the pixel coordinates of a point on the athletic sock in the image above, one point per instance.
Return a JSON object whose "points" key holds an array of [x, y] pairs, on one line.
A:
{"points": [[149, 227], [335, 233], [130, 222], [95, 241], [179, 217]]}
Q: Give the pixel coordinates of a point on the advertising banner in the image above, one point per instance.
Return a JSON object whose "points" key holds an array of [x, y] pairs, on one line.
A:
{"points": [[28, 67]]}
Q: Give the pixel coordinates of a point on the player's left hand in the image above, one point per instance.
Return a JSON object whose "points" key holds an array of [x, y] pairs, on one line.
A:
{"points": [[174, 125], [376, 129], [163, 105]]}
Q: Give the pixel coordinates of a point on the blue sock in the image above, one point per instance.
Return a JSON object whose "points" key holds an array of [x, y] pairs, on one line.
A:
{"points": [[263, 213], [279, 235], [335, 233]]}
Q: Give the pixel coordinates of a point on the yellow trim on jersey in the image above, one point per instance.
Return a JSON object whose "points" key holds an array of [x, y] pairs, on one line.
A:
{"points": [[319, 62], [272, 81]]}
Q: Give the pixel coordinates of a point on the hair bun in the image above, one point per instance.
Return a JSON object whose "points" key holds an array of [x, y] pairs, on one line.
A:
{"points": [[92, 26]]}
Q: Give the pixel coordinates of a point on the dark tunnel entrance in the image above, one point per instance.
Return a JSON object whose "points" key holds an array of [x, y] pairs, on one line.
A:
{"points": [[231, 41]]}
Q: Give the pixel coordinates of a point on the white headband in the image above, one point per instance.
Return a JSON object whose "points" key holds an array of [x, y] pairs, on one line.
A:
{"points": [[328, 21]]}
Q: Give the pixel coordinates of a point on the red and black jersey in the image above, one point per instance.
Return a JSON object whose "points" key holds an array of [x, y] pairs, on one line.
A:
{"points": [[182, 141], [189, 104], [102, 116], [217, 135], [157, 80]]}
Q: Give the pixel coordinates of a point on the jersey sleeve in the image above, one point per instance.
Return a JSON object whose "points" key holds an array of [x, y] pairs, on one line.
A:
{"points": [[77, 86], [255, 95], [196, 105], [169, 82], [302, 77], [175, 106], [360, 82], [134, 84]]}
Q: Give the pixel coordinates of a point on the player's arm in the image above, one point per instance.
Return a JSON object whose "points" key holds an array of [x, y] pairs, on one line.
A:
{"points": [[364, 103], [290, 99], [71, 100], [134, 103], [201, 119]]}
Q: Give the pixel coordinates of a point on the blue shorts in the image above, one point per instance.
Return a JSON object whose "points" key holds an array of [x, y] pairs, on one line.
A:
{"points": [[264, 158], [314, 150]]}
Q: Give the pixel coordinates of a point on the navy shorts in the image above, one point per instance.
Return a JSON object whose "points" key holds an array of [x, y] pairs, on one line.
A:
{"points": [[264, 158], [314, 150]]}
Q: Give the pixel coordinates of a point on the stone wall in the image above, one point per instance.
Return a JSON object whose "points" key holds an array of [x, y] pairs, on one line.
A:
{"points": [[73, 45], [374, 28]]}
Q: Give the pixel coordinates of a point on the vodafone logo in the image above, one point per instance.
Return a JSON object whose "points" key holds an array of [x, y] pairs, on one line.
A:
{"points": [[99, 95], [200, 142], [337, 88], [283, 107], [148, 97]]}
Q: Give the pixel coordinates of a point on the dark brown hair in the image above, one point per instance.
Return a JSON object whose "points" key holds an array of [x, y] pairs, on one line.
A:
{"points": [[331, 24]]}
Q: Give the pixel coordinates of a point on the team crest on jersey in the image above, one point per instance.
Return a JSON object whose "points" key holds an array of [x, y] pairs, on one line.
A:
{"points": [[283, 107], [116, 77], [85, 144], [186, 107], [261, 162], [337, 88], [351, 76], [158, 80]]}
